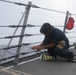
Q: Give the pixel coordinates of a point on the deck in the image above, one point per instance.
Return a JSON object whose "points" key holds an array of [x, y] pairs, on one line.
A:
{"points": [[37, 67]]}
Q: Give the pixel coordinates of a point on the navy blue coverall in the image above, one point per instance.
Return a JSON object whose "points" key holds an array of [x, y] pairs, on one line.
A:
{"points": [[55, 36]]}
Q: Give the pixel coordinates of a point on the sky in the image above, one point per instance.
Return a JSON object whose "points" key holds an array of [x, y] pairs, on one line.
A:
{"points": [[10, 14]]}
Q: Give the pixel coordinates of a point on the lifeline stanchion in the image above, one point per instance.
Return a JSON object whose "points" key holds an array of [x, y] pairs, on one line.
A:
{"points": [[13, 34], [28, 6], [67, 13], [22, 31]]}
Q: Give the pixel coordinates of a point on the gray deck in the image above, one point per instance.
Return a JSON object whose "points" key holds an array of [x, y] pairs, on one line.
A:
{"points": [[37, 67]]}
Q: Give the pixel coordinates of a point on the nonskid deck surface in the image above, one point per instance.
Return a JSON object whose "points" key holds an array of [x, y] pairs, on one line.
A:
{"points": [[9, 71], [37, 67]]}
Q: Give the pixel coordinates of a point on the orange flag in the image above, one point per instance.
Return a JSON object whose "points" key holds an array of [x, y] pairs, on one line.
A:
{"points": [[70, 23]]}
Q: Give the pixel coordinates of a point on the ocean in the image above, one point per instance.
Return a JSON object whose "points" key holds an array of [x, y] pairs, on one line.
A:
{"points": [[9, 54]]}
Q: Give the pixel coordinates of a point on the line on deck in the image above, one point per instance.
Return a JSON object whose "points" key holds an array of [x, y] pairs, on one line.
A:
{"points": [[15, 72], [11, 71]]}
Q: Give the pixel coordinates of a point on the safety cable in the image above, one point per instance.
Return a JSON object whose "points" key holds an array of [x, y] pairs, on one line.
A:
{"points": [[22, 53], [18, 3], [26, 35], [14, 26], [52, 10], [24, 44], [35, 6], [7, 1], [70, 32], [55, 11], [72, 37], [28, 25]]}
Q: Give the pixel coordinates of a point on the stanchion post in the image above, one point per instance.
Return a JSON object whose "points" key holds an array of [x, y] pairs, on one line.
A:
{"points": [[74, 45], [66, 19], [22, 32]]}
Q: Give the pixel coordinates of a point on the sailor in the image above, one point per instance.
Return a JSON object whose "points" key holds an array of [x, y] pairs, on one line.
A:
{"points": [[55, 41]]}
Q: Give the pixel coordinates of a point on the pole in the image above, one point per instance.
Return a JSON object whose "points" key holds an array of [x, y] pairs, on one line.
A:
{"points": [[22, 32], [67, 13]]}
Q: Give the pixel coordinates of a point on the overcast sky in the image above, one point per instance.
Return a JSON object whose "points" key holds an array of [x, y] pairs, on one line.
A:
{"points": [[10, 14]]}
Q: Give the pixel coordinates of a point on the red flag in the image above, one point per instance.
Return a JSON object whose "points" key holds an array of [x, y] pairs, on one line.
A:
{"points": [[70, 23]]}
